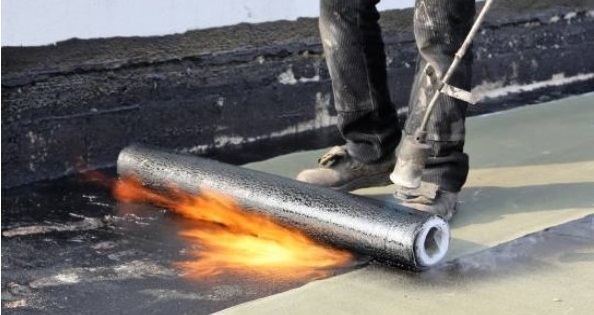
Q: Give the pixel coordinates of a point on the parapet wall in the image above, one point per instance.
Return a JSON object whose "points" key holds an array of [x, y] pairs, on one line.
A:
{"points": [[249, 92]]}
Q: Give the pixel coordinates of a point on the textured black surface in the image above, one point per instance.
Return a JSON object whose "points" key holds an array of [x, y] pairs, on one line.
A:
{"points": [[124, 267], [344, 220], [147, 235], [218, 92]]}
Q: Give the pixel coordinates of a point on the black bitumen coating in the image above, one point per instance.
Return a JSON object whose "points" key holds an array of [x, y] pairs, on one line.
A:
{"points": [[147, 236], [123, 267]]}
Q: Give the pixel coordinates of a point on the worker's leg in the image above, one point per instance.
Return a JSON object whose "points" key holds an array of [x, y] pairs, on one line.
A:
{"points": [[367, 120], [440, 27], [354, 52]]}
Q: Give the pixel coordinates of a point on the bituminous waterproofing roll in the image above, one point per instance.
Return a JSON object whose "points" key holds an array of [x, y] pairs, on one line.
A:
{"points": [[385, 231]]}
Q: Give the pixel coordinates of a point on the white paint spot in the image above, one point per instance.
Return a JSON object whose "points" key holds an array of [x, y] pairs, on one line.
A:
{"points": [[67, 278], [554, 19], [64, 278], [140, 269], [38, 146], [131, 270], [315, 78], [497, 89], [32, 137], [197, 149], [321, 120], [570, 15], [163, 294], [216, 293], [288, 78], [220, 101], [123, 254], [104, 245], [222, 141], [14, 303]]}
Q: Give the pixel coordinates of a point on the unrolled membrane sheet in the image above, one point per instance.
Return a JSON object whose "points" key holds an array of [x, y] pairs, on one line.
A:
{"points": [[408, 238]]}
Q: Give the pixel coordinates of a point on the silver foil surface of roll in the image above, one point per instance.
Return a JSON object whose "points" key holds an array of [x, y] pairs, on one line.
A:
{"points": [[385, 231]]}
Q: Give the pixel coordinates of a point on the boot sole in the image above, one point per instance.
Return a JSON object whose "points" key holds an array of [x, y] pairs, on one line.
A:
{"points": [[379, 180], [446, 216]]}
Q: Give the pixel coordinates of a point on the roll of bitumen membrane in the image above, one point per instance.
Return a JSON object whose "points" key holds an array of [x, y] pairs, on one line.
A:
{"points": [[408, 238]]}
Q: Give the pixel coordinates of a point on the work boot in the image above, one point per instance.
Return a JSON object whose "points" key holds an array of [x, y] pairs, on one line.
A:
{"points": [[429, 198], [338, 170]]}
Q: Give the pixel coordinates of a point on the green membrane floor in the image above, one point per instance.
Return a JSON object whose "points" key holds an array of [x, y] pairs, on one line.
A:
{"points": [[532, 168]]}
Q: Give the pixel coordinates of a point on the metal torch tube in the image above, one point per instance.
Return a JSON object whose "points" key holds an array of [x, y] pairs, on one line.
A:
{"points": [[388, 232], [457, 58]]}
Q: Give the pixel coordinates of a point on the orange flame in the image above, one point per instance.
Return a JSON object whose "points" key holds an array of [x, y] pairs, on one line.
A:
{"points": [[233, 239]]}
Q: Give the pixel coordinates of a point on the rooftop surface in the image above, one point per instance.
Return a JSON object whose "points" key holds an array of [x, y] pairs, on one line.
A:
{"points": [[522, 242], [532, 168]]}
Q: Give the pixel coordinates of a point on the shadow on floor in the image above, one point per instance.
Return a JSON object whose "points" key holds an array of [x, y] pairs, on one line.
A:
{"points": [[490, 203]]}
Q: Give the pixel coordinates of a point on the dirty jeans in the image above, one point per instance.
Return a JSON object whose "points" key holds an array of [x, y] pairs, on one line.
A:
{"points": [[367, 119]]}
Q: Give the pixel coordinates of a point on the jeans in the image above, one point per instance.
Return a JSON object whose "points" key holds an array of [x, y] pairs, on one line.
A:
{"points": [[367, 119]]}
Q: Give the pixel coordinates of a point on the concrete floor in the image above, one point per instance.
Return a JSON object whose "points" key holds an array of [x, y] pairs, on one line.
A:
{"points": [[532, 168]]}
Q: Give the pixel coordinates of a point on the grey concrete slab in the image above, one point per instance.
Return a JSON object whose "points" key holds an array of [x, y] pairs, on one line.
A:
{"points": [[532, 168]]}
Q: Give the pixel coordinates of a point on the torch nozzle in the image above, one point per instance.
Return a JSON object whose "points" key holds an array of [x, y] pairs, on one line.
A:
{"points": [[411, 162]]}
